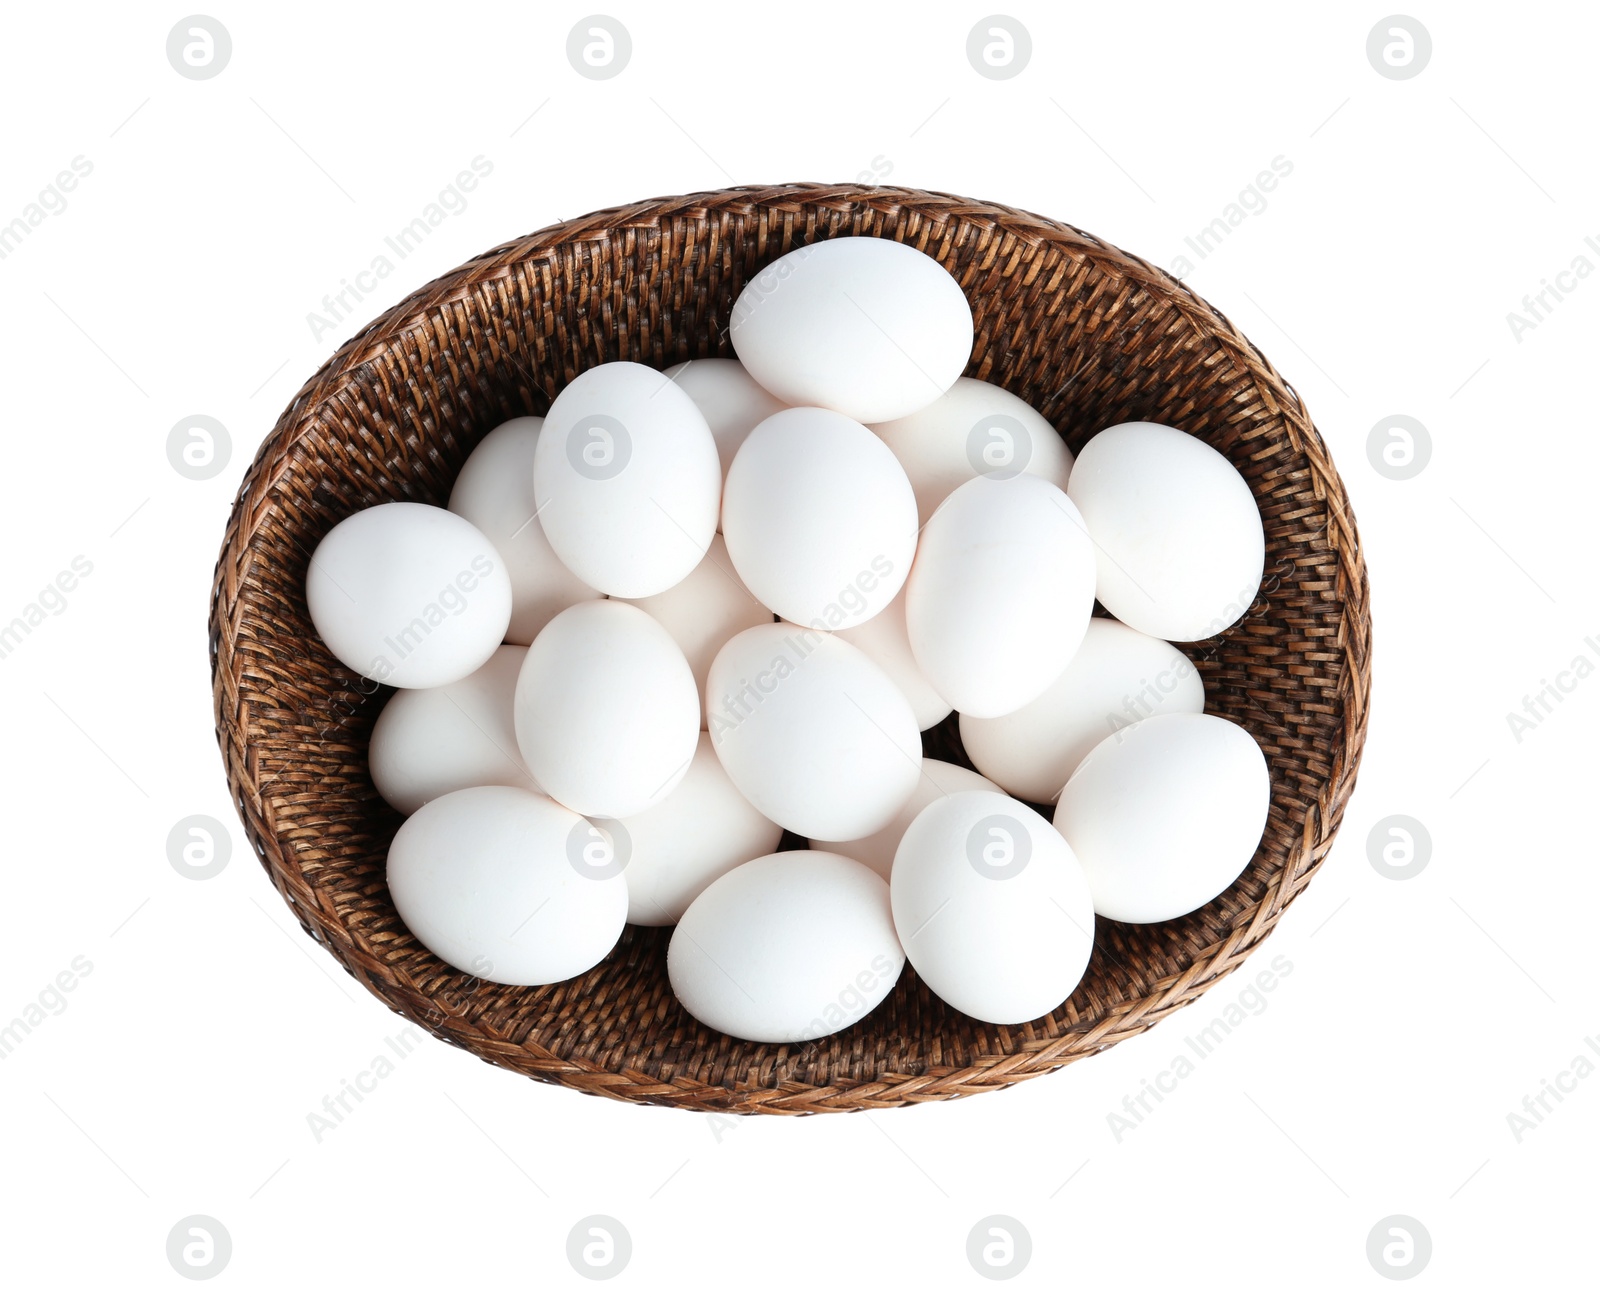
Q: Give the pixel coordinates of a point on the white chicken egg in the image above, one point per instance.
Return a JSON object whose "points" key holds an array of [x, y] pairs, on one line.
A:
{"points": [[607, 714], [939, 779], [705, 610], [1001, 593], [1178, 537], [703, 828], [812, 731], [1117, 676], [787, 947], [408, 595], [974, 429], [731, 400], [494, 492], [819, 518], [883, 639], [627, 479], [1166, 814], [992, 907], [487, 880], [872, 328], [428, 742]]}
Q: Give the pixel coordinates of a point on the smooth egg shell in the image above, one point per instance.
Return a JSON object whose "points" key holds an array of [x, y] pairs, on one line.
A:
{"points": [[819, 519], [705, 610], [791, 946], [428, 742], [703, 828], [1117, 676], [607, 714], [494, 492], [408, 595], [627, 479], [883, 638], [992, 908], [939, 779], [1001, 593], [812, 731], [484, 879], [1178, 537], [972, 430], [1166, 814], [869, 327], [732, 401]]}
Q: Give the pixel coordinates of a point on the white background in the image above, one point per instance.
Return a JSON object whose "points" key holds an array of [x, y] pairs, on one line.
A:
{"points": [[178, 280]]}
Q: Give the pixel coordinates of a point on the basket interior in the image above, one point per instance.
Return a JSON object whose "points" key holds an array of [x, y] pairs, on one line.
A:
{"points": [[1087, 335]]}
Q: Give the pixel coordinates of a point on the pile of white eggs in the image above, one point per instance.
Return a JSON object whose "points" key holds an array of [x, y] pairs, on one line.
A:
{"points": [[687, 611]]}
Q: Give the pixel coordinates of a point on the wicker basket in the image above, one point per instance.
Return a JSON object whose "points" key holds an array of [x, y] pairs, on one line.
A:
{"points": [[1087, 334]]}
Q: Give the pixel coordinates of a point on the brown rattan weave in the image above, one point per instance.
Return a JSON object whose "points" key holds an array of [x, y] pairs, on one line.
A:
{"points": [[1086, 333]]}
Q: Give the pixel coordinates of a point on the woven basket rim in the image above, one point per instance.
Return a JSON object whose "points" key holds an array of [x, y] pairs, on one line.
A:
{"points": [[411, 319]]}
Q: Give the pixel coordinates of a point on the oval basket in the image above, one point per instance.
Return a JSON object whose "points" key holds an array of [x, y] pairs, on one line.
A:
{"points": [[1085, 333]]}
